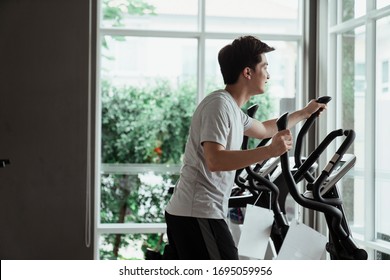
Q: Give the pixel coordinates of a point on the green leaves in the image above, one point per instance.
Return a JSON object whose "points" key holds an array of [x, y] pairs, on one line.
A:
{"points": [[145, 125], [116, 10]]}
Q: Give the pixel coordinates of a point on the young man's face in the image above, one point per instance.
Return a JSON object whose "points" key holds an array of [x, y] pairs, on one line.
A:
{"points": [[260, 76]]}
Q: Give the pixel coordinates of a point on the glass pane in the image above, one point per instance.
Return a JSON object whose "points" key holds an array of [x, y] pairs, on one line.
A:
{"points": [[213, 74], [382, 3], [137, 61], [148, 97], [382, 170], [353, 88], [151, 14], [353, 9], [381, 256], [140, 198], [131, 246], [253, 16]]}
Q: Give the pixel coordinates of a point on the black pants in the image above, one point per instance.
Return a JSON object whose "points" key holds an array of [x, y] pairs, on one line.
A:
{"points": [[199, 239]]}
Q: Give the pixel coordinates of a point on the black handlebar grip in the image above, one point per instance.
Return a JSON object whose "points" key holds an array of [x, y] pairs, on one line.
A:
{"points": [[324, 99], [251, 111], [282, 122]]}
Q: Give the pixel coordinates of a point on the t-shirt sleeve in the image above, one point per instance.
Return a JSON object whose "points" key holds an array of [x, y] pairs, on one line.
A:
{"points": [[246, 121], [215, 123]]}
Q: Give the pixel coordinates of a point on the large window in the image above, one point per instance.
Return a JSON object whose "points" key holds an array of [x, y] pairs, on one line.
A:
{"points": [[382, 152], [156, 60], [358, 74]]}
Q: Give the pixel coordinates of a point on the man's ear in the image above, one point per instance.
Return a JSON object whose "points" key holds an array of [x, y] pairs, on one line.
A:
{"points": [[247, 73]]}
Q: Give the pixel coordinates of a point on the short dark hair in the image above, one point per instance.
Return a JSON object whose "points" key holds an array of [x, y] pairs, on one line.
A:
{"points": [[243, 52]]}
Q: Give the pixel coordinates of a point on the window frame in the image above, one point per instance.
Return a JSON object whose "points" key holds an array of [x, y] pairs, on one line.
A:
{"points": [[201, 36], [330, 82]]}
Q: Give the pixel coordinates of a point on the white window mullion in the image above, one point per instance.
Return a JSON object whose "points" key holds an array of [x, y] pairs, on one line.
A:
{"points": [[201, 51], [323, 69], [116, 31], [369, 170], [332, 70], [339, 80], [303, 57], [132, 228]]}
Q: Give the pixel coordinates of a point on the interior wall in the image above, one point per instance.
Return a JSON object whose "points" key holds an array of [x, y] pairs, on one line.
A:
{"points": [[44, 97]]}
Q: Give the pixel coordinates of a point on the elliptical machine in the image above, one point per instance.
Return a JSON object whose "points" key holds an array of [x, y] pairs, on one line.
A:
{"points": [[266, 177], [322, 194]]}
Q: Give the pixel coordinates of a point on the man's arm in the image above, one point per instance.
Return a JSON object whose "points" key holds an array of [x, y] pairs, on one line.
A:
{"points": [[219, 159], [266, 129]]}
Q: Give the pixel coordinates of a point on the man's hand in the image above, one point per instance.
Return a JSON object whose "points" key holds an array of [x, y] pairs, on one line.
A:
{"points": [[312, 107], [281, 142]]}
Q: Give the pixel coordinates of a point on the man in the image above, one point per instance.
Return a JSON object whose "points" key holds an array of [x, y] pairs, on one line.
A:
{"points": [[196, 213]]}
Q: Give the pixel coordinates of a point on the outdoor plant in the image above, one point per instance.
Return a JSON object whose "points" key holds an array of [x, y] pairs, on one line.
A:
{"points": [[141, 125]]}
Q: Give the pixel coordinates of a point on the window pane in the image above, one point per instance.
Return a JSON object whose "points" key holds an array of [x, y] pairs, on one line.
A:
{"points": [[382, 172], [135, 198], [213, 74], [151, 14], [353, 9], [353, 117], [131, 246], [382, 256], [148, 95], [138, 61], [382, 3], [253, 16], [385, 71]]}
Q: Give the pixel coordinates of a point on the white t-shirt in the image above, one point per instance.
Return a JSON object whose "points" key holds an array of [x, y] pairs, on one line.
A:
{"points": [[199, 192]]}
